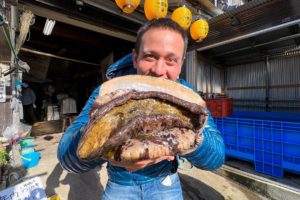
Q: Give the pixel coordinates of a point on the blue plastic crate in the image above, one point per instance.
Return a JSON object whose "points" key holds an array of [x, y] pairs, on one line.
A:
{"points": [[273, 146], [238, 137]]}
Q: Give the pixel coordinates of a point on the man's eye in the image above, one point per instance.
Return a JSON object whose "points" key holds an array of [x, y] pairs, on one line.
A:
{"points": [[149, 57], [172, 60]]}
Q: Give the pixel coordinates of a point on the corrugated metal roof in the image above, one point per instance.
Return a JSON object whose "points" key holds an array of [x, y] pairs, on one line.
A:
{"points": [[264, 21], [239, 9], [252, 17]]}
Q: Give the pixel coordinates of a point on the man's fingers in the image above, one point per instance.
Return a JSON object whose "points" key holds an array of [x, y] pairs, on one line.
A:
{"points": [[170, 158], [134, 166]]}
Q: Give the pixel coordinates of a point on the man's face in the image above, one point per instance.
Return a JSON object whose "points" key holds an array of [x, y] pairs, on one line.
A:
{"points": [[160, 54]]}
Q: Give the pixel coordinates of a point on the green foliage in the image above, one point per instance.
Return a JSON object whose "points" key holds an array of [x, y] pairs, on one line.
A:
{"points": [[3, 158]]}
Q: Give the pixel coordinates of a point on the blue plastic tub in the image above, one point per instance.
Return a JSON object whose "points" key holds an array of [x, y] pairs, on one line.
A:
{"points": [[31, 160], [273, 145], [28, 149]]}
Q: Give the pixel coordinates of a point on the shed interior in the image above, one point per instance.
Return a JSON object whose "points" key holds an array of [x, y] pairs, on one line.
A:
{"points": [[251, 53]]}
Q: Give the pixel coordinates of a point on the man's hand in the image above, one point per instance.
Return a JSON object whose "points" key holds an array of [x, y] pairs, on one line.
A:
{"points": [[199, 142], [134, 166]]}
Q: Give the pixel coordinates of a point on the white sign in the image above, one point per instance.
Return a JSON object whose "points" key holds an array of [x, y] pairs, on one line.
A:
{"points": [[31, 189], [6, 79], [2, 92]]}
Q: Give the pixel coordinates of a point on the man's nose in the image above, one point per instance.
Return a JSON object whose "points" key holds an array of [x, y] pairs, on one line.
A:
{"points": [[159, 68]]}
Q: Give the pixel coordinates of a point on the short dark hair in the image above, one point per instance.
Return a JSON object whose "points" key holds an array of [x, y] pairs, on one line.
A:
{"points": [[163, 23]]}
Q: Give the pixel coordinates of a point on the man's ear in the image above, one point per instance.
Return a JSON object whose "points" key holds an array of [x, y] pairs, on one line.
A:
{"points": [[182, 61], [134, 58]]}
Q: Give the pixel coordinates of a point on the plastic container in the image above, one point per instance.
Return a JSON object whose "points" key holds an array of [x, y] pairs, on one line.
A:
{"points": [[219, 107], [31, 160], [55, 197], [272, 145], [27, 145], [28, 149], [27, 142]]}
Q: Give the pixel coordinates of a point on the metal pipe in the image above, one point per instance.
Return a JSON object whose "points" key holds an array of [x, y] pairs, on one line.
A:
{"points": [[12, 39], [259, 45], [196, 69], [267, 83], [238, 61], [206, 80], [266, 30], [261, 100], [58, 57], [225, 80], [210, 77], [11, 70], [15, 118], [209, 7]]}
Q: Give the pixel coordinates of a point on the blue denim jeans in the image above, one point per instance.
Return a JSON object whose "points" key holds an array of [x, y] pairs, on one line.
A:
{"points": [[166, 188]]}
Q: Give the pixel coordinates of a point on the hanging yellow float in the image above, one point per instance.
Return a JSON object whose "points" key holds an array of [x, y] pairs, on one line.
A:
{"points": [[155, 9], [128, 6], [199, 30], [183, 16]]}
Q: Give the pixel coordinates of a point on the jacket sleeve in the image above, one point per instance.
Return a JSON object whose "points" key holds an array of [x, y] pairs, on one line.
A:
{"points": [[66, 152], [210, 154]]}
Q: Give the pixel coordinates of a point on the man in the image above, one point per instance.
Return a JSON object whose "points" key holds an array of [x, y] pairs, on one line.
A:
{"points": [[28, 101], [160, 50]]}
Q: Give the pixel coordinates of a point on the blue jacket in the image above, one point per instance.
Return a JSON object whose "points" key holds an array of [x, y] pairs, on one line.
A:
{"points": [[209, 155]]}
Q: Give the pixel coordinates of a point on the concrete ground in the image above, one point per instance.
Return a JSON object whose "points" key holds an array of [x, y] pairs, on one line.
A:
{"points": [[197, 184]]}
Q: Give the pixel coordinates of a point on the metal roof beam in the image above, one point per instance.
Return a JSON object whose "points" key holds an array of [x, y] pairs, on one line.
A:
{"points": [[207, 7], [48, 13], [112, 8], [259, 45], [255, 33]]}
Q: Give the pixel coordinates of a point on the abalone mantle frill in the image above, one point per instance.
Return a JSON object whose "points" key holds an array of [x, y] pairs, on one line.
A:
{"points": [[130, 125]]}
